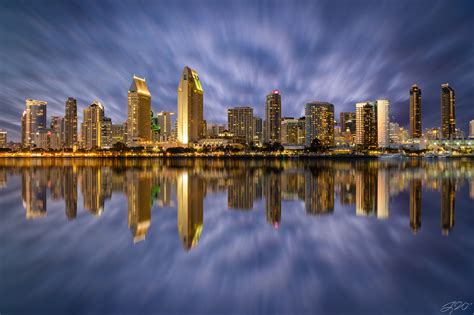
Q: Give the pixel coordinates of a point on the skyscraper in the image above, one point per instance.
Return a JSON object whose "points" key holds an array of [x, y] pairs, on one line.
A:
{"points": [[319, 120], [240, 122], [139, 109], [190, 107], [34, 118], [91, 127], [106, 133], [471, 129], [272, 123], [70, 123], [448, 114], [366, 125], [383, 123], [258, 129], [165, 121], [415, 112]]}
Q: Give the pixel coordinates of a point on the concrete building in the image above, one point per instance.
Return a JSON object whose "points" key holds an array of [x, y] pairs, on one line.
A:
{"points": [[272, 124], [471, 129], [319, 121], [91, 126], [70, 123], [383, 123], [292, 131], [190, 107], [165, 121], [366, 125], [3, 139], [139, 109], [33, 119], [240, 122]]}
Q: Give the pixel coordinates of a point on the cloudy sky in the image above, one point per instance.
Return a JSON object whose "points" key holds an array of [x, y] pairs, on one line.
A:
{"points": [[337, 51]]}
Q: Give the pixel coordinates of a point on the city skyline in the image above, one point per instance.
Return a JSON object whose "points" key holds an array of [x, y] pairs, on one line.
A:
{"points": [[244, 53]]}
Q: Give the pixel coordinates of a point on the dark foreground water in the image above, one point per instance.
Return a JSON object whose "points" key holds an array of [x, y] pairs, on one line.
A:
{"points": [[220, 236]]}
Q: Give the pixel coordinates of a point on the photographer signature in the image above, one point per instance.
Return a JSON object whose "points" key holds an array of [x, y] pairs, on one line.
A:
{"points": [[450, 307]]}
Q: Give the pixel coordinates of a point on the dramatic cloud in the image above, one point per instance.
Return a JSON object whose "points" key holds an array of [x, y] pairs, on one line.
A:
{"points": [[341, 52]]}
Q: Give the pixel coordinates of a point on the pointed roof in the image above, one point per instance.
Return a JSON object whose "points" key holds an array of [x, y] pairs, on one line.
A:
{"points": [[139, 85]]}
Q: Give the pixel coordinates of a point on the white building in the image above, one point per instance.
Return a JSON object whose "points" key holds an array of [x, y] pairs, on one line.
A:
{"points": [[383, 123]]}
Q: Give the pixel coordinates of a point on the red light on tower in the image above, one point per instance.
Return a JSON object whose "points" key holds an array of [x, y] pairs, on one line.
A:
{"points": [[276, 92]]}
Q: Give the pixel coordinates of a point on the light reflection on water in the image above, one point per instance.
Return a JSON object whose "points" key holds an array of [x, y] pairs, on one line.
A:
{"points": [[256, 236]]}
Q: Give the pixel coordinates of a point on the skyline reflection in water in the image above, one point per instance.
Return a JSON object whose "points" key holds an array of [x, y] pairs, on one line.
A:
{"points": [[365, 185], [246, 236]]}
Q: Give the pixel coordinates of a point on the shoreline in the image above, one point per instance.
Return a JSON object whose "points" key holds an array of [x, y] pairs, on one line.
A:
{"points": [[220, 156]]}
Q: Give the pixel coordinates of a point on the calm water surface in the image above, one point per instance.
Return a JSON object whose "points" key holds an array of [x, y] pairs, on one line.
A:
{"points": [[215, 236]]}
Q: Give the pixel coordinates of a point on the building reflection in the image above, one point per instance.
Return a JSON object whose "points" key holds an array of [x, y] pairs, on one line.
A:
{"points": [[415, 205], [182, 185], [190, 196], [139, 198], [448, 197]]}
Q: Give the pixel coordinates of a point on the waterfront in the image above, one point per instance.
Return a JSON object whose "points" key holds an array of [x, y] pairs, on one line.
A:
{"points": [[243, 236]]}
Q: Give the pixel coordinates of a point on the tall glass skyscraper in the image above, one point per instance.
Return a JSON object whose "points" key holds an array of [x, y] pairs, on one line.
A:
{"points": [[33, 119], [272, 125], [448, 112], [70, 123], [415, 112]]}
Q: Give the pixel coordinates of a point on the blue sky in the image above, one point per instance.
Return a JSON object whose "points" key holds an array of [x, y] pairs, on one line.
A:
{"points": [[336, 51]]}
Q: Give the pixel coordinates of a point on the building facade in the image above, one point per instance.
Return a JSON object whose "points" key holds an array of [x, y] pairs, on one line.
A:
{"points": [[190, 107], [139, 109], [347, 121], [3, 139], [240, 123], [272, 125], [91, 127], [33, 119], [471, 129], [383, 123], [70, 123], [448, 112], [319, 120], [165, 121], [415, 112], [366, 125], [292, 131]]}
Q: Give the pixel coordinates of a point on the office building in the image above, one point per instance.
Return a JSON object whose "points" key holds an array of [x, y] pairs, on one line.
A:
{"points": [[106, 133], [292, 131], [415, 112], [471, 129], [190, 107], [118, 133], [240, 123], [272, 125], [383, 123], [70, 123], [139, 109], [319, 121], [448, 112], [258, 129]]}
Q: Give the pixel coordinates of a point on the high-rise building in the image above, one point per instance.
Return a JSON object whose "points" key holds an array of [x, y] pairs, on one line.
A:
{"points": [[258, 129], [272, 125], [70, 123], [139, 109], [415, 112], [190, 107], [240, 123], [471, 129], [383, 123], [106, 133], [165, 121], [347, 121], [34, 118], [448, 112], [366, 125], [56, 133], [91, 127], [3, 139], [319, 120]]}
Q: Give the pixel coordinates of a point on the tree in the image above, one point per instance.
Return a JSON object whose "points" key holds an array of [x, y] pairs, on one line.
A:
{"points": [[317, 146]]}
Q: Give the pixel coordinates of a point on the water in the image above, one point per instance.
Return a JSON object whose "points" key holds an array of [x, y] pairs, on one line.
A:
{"points": [[239, 236]]}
